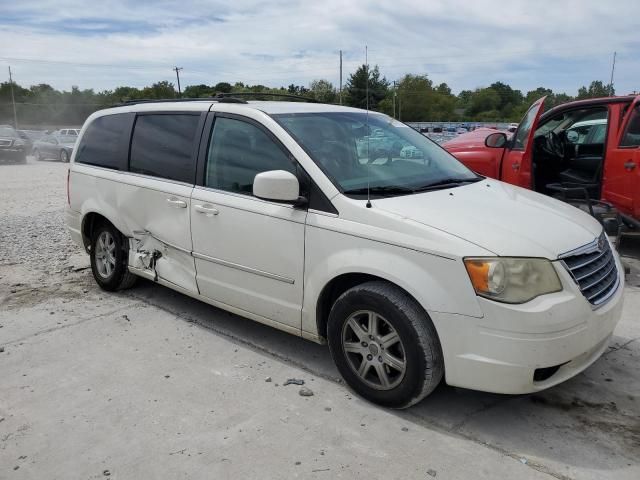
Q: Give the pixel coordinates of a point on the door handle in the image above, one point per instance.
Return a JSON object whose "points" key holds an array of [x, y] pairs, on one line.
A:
{"points": [[515, 166], [174, 202], [629, 165], [206, 209]]}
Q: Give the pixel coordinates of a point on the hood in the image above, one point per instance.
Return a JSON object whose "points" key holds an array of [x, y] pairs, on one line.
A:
{"points": [[501, 218]]}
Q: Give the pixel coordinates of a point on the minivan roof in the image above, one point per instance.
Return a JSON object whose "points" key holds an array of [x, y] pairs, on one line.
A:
{"points": [[268, 107]]}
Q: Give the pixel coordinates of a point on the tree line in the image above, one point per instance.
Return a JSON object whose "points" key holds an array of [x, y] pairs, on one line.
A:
{"points": [[411, 99]]}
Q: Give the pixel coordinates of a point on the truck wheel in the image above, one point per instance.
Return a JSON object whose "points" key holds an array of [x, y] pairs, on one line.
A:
{"points": [[37, 156], [109, 255], [64, 156], [385, 345]]}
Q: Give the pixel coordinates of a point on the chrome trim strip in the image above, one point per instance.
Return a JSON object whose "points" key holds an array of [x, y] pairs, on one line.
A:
{"points": [[604, 299], [588, 248], [225, 263]]}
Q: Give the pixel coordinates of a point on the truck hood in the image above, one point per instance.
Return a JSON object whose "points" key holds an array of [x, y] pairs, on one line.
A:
{"points": [[502, 218]]}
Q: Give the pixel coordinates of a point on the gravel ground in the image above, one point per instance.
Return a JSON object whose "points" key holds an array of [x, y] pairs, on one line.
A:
{"points": [[149, 383]]}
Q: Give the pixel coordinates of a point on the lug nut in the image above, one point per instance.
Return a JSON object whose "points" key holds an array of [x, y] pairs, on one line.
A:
{"points": [[370, 337], [380, 359], [364, 344], [369, 357]]}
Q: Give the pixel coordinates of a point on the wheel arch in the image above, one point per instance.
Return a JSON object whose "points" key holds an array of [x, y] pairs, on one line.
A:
{"points": [[340, 284], [90, 221]]}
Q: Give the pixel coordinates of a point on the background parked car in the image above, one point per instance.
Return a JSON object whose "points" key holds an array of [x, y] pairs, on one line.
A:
{"points": [[12, 147], [74, 132], [54, 147], [30, 136]]}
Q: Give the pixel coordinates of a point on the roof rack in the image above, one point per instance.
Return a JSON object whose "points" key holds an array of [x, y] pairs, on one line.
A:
{"points": [[231, 97], [165, 100]]}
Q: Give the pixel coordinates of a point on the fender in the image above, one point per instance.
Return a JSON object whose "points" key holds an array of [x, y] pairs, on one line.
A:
{"points": [[330, 254]]}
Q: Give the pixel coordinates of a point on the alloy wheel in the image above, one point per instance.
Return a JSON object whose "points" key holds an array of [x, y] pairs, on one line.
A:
{"points": [[374, 350], [105, 255]]}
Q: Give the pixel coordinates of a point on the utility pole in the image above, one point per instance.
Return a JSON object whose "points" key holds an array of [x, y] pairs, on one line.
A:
{"points": [[177, 69], [613, 67], [13, 101], [340, 77], [395, 93]]}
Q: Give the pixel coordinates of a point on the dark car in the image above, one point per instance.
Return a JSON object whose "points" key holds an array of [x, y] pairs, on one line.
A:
{"points": [[12, 147], [54, 147], [30, 136]]}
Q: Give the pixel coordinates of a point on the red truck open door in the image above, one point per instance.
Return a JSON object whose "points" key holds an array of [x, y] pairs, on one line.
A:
{"points": [[516, 160], [621, 182]]}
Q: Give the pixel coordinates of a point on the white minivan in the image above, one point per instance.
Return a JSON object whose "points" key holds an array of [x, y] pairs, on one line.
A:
{"points": [[411, 268]]}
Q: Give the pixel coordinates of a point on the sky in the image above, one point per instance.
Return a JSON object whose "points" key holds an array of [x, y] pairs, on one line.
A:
{"points": [[558, 44]]}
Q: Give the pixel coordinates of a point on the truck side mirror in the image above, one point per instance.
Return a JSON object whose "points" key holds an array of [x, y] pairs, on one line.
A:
{"points": [[496, 140]]}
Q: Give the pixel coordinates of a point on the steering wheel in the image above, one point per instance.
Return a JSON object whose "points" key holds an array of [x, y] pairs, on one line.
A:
{"points": [[553, 144]]}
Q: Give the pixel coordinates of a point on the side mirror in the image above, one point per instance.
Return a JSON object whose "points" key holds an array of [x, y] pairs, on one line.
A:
{"points": [[573, 136], [277, 185], [496, 140]]}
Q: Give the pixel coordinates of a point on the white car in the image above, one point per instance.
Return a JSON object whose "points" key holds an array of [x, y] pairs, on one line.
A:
{"points": [[410, 271]]}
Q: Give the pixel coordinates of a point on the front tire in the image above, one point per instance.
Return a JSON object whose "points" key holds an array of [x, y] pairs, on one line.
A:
{"points": [[385, 345], [109, 257], [37, 155], [64, 156]]}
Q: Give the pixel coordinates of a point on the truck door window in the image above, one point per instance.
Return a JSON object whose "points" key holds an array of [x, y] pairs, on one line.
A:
{"points": [[238, 151], [524, 128], [631, 137]]}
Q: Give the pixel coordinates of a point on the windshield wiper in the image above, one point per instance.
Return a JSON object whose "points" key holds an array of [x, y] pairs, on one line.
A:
{"points": [[381, 190], [447, 183]]}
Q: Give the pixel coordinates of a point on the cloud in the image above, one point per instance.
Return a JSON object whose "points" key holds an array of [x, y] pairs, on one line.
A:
{"points": [[561, 45]]}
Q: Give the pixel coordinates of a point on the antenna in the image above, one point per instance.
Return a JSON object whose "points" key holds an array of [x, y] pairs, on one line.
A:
{"points": [[366, 66]]}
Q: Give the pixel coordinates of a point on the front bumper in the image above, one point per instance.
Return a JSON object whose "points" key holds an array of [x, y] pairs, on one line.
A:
{"points": [[12, 154], [502, 351]]}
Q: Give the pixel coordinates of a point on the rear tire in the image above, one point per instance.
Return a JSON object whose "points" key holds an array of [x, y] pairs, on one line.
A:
{"points": [[385, 345], [37, 156], [109, 257], [64, 156]]}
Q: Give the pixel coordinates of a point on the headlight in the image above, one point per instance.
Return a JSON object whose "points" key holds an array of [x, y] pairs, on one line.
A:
{"points": [[19, 143], [512, 280]]}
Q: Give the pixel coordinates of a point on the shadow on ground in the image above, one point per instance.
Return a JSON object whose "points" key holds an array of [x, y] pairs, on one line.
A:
{"points": [[591, 421]]}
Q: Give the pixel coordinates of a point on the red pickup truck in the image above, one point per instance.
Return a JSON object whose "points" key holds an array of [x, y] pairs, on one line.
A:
{"points": [[585, 152]]}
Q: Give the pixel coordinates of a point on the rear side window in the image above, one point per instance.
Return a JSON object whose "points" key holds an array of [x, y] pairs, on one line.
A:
{"points": [[163, 146], [102, 140]]}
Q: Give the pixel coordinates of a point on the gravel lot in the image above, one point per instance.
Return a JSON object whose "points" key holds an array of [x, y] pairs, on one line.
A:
{"points": [[151, 384]]}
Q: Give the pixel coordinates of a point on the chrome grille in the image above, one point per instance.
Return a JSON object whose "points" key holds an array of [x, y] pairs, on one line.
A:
{"points": [[5, 143], [593, 268]]}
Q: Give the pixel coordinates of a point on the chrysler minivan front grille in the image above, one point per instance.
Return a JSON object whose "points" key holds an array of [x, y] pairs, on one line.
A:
{"points": [[594, 270]]}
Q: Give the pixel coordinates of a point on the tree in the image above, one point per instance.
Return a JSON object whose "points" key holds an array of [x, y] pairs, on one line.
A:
{"points": [[159, 90], [323, 91], [596, 89], [197, 91], [222, 87], [356, 88]]}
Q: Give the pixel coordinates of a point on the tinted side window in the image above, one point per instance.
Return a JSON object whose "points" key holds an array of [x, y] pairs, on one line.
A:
{"points": [[101, 142], [238, 151], [631, 136], [163, 146]]}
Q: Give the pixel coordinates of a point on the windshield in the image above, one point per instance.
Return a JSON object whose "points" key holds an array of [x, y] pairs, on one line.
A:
{"points": [[388, 156]]}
